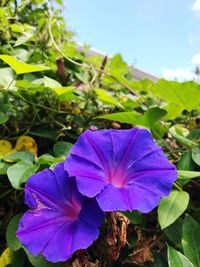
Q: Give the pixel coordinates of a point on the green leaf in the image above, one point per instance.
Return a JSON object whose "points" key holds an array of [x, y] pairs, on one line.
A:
{"points": [[17, 27], [65, 93], [186, 95], [45, 132], [20, 172], [4, 167], [172, 207], [39, 261], [183, 140], [21, 54], [25, 156], [196, 155], [173, 111], [186, 162], [174, 231], [68, 96], [61, 148], [191, 240], [159, 261], [6, 107], [152, 115], [147, 120], [12, 241], [106, 98], [179, 129], [124, 117], [25, 37], [135, 217], [176, 259], [21, 67], [48, 159], [159, 130], [184, 175], [51, 83], [117, 62], [18, 258], [7, 78], [63, 90], [3, 118]]}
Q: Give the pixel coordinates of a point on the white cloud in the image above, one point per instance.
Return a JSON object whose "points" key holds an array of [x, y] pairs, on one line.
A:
{"points": [[179, 74], [196, 59], [196, 5], [183, 74]]}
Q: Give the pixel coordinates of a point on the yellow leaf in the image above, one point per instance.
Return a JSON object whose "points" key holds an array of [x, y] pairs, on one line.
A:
{"points": [[20, 67], [5, 148], [26, 143], [5, 258]]}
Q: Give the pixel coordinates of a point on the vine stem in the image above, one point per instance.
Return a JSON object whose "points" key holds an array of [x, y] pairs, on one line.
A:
{"points": [[10, 83], [38, 105], [85, 66], [177, 187]]}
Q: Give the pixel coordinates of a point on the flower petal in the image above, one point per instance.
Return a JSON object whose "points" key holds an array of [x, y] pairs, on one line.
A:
{"points": [[113, 199], [67, 187], [59, 246], [37, 227], [91, 213], [89, 188], [84, 235], [68, 239], [49, 188], [42, 188], [155, 181], [150, 163], [142, 199], [132, 198]]}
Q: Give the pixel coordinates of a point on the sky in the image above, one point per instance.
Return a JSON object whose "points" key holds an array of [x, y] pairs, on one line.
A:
{"points": [[161, 37]]}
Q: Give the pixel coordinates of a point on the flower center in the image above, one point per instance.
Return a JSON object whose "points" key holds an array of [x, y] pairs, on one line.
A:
{"points": [[72, 211], [117, 178]]}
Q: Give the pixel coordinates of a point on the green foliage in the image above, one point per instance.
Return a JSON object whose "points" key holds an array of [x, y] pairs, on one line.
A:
{"points": [[196, 155], [150, 117], [171, 207], [20, 172], [39, 261], [188, 175], [106, 98], [20, 67], [174, 232], [176, 259], [52, 91], [3, 118], [61, 149], [191, 240], [12, 240], [185, 95]]}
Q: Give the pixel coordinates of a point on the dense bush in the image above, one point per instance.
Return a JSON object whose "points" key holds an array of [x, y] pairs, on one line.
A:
{"points": [[50, 92]]}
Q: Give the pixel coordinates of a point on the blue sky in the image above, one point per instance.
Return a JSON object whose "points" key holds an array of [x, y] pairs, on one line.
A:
{"points": [[161, 37]]}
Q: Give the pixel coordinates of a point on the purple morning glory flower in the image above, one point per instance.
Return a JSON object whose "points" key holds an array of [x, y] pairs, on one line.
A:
{"points": [[60, 220], [124, 169]]}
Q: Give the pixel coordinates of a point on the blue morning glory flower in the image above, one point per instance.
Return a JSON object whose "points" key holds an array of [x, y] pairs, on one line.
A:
{"points": [[60, 220], [123, 169]]}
